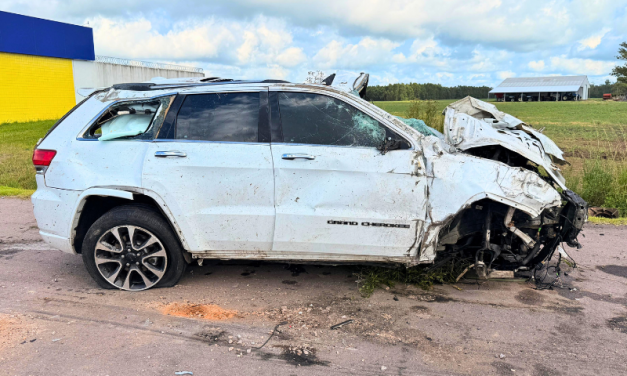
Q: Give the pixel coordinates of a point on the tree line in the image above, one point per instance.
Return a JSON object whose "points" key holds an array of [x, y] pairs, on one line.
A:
{"points": [[405, 92], [597, 91]]}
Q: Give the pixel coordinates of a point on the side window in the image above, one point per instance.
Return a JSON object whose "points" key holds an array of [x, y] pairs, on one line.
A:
{"points": [[131, 120], [230, 117], [321, 120]]}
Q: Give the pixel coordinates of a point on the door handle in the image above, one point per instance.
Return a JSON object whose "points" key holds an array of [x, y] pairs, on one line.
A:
{"points": [[170, 153], [291, 157]]}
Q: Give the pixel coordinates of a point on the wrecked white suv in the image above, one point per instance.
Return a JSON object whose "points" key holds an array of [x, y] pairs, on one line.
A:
{"points": [[141, 179]]}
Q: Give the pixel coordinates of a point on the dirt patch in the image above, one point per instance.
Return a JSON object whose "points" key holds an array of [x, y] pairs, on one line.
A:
{"points": [[213, 336], [11, 332], [8, 253], [542, 370], [570, 310], [572, 295], [570, 331], [198, 311], [413, 294], [300, 356], [431, 298], [530, 297], [617, 270], [503, 368], [420, 309], [287, 282], [618, 323]]}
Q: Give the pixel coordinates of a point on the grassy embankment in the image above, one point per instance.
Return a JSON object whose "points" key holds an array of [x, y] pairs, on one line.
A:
{"points": [[17, 140]]}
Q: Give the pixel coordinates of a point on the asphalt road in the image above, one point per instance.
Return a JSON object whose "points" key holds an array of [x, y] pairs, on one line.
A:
{"points": [[54, 320]]}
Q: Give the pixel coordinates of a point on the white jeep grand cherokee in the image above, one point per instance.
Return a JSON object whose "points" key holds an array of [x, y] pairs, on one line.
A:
{"points": [[140, 179]]}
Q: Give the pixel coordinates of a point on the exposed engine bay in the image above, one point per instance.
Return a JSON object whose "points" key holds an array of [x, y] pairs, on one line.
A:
{"points": [[493, 235]]}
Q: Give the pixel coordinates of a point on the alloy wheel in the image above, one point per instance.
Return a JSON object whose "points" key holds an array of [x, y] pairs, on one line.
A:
{"points": [[130, 258]]}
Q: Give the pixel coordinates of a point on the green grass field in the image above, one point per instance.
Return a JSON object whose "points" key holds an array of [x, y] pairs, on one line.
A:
{"points": [[579, 128], [17, 140], [591, 133]]}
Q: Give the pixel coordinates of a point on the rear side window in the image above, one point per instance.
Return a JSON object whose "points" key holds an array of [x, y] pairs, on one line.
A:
{"points": [[232, 117], [130, 120], [321, 120]]}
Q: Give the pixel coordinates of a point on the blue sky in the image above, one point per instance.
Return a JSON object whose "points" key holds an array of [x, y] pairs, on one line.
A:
{"points": [[452, 42]]}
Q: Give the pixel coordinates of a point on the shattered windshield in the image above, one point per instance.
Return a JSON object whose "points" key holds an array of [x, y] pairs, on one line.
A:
{"points": [[321, 120], [421, 127]]}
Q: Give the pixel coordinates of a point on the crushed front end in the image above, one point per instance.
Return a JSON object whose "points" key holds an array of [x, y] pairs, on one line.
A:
{"points": [[516, 209]]}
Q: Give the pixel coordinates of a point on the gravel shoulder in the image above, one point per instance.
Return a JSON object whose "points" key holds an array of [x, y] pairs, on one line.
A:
{"points": [[54, 320]]}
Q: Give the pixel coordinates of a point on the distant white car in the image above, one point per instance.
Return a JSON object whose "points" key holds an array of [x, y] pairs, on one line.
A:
{"points": [[141, 179]]}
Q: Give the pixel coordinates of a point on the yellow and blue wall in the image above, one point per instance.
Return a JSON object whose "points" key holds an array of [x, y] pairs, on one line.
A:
{"points": [[36, 69]]}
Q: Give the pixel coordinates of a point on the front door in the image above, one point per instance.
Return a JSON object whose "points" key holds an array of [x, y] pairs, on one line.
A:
{"points": [[213, 169], [335, 193]]}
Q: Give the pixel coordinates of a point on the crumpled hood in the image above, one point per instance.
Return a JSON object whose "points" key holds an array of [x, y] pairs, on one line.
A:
{"points": [[470, 123]]}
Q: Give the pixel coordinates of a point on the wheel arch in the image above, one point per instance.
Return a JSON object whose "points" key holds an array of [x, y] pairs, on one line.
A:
{"points": [[95, 202]]}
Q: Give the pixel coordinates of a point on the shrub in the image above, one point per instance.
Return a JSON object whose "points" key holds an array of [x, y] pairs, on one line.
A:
{"points": [[428, 112], [597, 181], [601, 183]]}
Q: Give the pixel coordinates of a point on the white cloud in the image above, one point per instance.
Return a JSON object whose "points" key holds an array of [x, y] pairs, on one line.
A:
{"points": [[594, 40], [427, 51], [505, 74], [253, 43], [138, 39], [291, 57], [450, 42], [581, 66], [525, 25], [536, 65], [367, 51]]}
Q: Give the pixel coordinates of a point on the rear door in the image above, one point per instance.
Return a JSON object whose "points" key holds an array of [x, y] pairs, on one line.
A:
{"points": [[211, 163], [336, 194]]}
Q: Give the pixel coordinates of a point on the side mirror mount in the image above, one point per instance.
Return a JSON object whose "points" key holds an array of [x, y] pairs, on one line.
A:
{"points": [[388, 144], [391, 142]]}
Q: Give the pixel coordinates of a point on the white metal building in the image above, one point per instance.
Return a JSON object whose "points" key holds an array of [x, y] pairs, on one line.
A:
{"points": [[106, 71], [542, 88]]}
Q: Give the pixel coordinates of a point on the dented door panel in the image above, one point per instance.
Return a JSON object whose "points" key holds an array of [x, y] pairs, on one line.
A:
{"points": [[347, 201], [221, 194]]}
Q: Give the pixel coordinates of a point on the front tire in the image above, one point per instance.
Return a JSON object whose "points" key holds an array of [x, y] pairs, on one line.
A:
{"points": [[133, 248]]}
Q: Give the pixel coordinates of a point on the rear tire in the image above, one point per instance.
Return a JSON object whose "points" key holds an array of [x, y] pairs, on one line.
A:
{"points": [[133, 248]]}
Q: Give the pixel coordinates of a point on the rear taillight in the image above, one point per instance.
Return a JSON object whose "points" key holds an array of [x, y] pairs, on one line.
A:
{"points": [[42, 159]]}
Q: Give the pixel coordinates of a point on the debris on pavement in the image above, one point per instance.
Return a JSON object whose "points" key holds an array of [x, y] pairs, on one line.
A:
{"points": [[603, 212], [184, 373], [337, 326], [271, 335]]}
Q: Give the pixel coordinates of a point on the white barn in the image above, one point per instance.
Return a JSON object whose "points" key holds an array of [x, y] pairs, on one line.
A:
{"points": [[542, 88]]}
